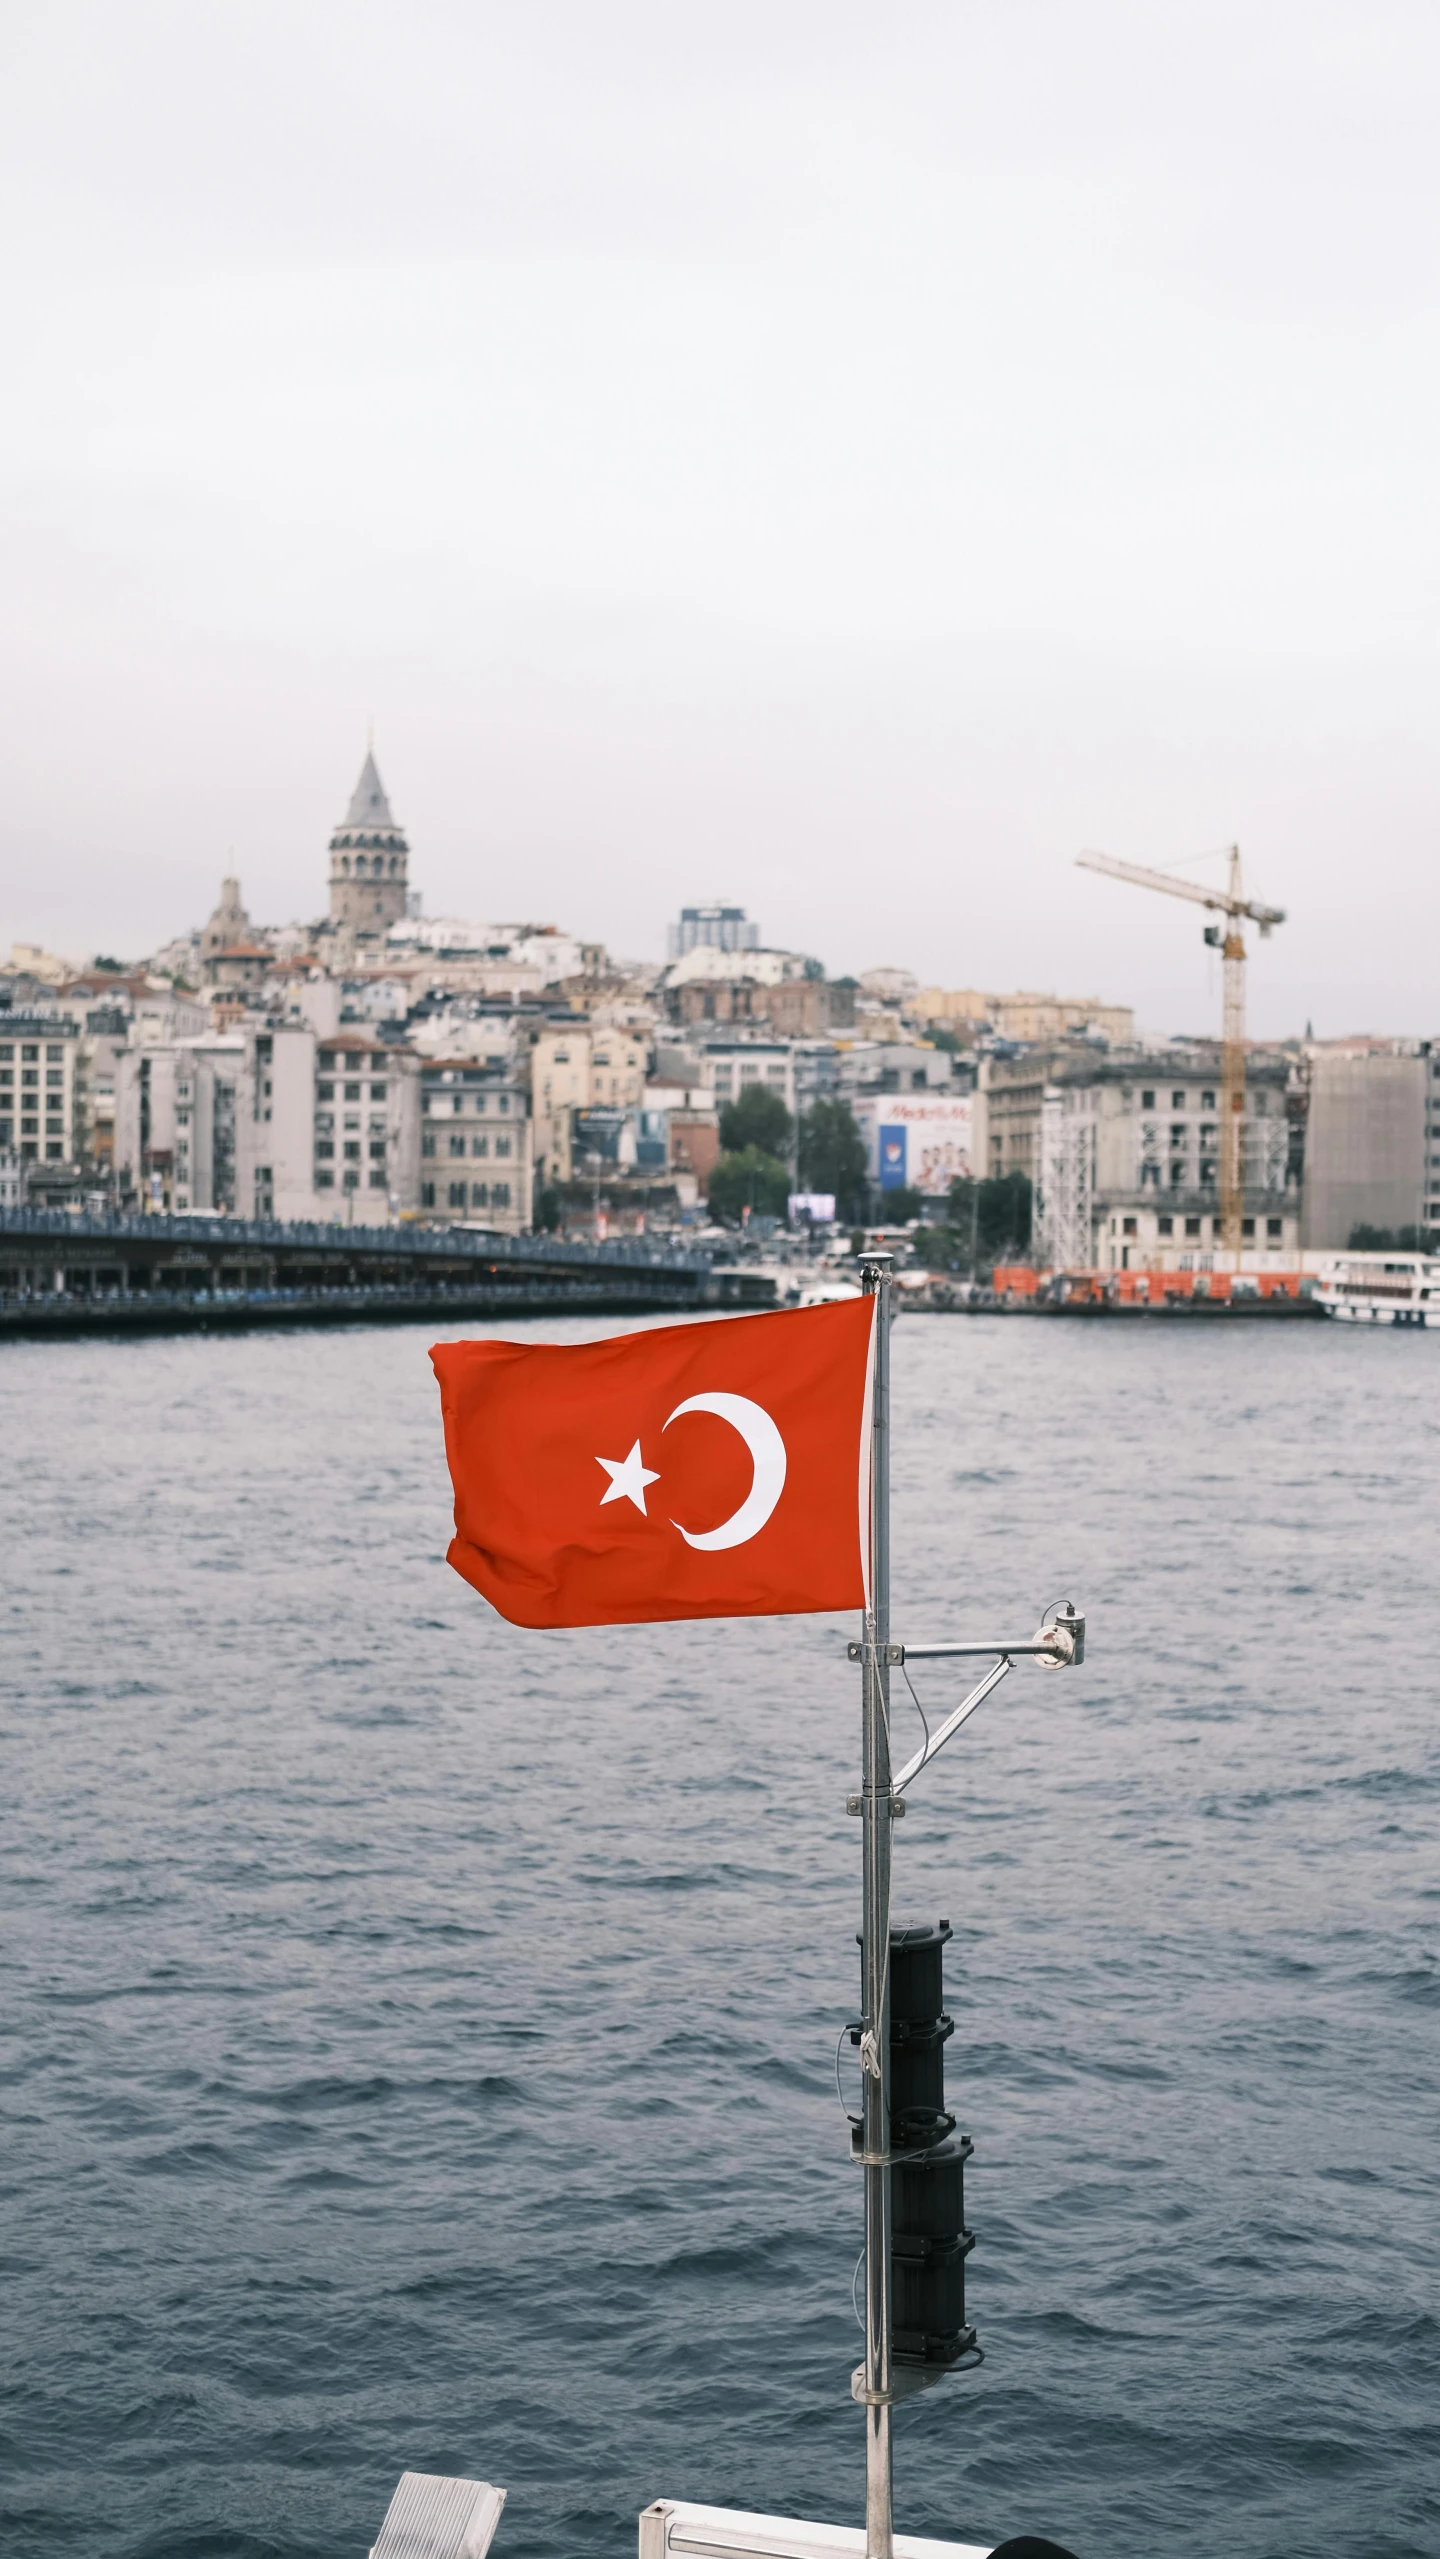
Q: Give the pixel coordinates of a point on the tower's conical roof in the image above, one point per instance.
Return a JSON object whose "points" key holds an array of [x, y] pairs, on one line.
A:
{"points": [[369, 808]]}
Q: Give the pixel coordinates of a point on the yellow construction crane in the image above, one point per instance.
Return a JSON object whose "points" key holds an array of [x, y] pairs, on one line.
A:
{"points": [[1233, 904]]}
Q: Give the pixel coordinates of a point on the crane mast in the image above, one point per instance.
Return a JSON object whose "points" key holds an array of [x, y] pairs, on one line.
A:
{"points": [[1232, 903]]}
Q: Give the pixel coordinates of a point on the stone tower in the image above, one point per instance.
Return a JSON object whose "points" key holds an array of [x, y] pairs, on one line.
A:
{"points": [[369, 860]]}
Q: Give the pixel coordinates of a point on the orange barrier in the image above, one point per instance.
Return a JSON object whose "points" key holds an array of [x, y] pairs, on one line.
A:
{"points": [[1015, 1279]]}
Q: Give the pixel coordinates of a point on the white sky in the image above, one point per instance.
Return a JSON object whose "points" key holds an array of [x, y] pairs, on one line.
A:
{"points": [[844, 458]]}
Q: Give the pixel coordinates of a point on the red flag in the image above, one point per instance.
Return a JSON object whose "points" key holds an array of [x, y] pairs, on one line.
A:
{"points": [[701, 1470]]}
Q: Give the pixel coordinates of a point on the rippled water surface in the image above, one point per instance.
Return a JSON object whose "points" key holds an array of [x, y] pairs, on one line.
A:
{"points": [[418, 2034]]}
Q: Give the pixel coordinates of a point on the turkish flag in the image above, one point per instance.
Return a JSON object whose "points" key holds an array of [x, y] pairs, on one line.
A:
{"points": [[701, 1470]]}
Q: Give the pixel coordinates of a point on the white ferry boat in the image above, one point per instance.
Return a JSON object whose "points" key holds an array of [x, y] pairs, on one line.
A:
{"points": [[1381, 1288]]}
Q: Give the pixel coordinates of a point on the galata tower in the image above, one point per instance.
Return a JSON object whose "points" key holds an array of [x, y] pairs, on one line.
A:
{"points": [[369, 861]]}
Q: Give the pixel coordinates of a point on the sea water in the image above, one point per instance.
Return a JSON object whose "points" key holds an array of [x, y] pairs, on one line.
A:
{"points": [[419, 2035]]}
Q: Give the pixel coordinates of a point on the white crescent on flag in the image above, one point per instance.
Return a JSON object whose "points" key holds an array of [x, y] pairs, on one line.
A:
{"points": [[767, 1452]]}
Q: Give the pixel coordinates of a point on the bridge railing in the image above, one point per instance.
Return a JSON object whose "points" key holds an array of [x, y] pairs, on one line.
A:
{"points": [[418, 1243]]}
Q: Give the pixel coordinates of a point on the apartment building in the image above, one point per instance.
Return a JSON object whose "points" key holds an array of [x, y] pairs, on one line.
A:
{"points": [[42, 1091], [267, 1121], [476, 1146], [1128, 1157], [579, 1067]]}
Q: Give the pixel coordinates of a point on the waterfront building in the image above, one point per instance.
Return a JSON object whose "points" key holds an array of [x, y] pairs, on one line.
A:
{"points": [[42, 1093], [366, 1124], [1126, 1151], [369, 863], [476, 1152], [1372, 1140]]}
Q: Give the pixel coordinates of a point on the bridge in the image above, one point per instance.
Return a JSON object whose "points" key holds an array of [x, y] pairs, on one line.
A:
{"points": [[62, 1273]]}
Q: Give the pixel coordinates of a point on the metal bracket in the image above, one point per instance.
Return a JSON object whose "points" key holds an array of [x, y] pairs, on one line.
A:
{"points": [[896, 1804], [905, 2380]]}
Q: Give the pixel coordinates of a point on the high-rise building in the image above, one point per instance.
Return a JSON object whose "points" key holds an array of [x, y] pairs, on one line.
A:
{"points": [[716, 927], [369, 861]]}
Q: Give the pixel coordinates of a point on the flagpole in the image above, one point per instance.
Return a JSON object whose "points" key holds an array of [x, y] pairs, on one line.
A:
{"points": [[877, 1824]]}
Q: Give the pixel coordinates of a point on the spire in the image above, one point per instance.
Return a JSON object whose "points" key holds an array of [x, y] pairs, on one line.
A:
{"points": [[369, 808]]}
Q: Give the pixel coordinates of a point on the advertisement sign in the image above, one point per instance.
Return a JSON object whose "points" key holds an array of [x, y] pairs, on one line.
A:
{"points": [[816, 1206], [918, 1141], [891, 1154]]}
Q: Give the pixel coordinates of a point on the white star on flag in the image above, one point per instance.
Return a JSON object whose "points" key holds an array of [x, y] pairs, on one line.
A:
{"points": [[628, 1479]]}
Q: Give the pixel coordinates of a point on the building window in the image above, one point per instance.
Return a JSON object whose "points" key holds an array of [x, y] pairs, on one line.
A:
{"points": [[54, 1077], [29, 1128], [53, 1056], [54, 1150], [377, 1181], [1166, 1225], [323, 1092], [427, 1194], [377, 1150], [481, 1145], [1177, 1101], [479, 1196], [457, 1143], [352, 1179], [327, 1061], [1177, 1135], [29, 1151], [324, 1181], [352, 1149], [458, 1104], [352, 1092], [7, 1131], [1247, 1225], [1130, 1226], [1192, 1225], [1207, 1101], [502, 1145], [457, 1194], [377, 1092], [1273, 1229], [1177, 1177], [325, 1147], [427, 1141], [30, 1056], [500, 1195]]}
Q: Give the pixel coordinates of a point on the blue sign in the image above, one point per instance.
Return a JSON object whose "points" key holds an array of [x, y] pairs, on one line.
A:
{"points": [[892, 1158]]}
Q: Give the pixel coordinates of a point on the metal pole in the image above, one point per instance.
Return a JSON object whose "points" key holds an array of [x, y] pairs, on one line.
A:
{"points": [[876, 1835]]}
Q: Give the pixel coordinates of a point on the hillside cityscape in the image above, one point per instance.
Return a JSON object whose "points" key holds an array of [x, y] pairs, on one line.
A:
{"points": [[379, 1066]]}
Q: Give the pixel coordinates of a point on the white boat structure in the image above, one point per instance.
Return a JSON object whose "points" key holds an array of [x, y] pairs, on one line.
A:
{"points": [[1381, 1288]]}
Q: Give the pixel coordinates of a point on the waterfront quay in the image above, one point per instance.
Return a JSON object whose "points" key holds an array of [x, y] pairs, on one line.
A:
{"points": [[60, 1273]]}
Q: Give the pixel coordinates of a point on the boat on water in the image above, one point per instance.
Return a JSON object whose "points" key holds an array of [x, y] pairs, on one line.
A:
{"points": [[1381, 1288]]}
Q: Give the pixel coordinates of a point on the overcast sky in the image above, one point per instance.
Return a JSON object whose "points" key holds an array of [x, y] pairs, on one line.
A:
{"points": [[845, 458]]}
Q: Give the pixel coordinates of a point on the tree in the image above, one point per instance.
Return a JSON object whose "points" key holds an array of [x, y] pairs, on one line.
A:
{"points": [[832, 1158], [758, 1119], [749, 1178], [899, 1206], [992, 1218]]}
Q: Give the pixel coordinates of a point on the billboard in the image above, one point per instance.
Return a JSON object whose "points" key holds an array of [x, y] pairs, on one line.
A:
{"points": [[816, 1206], [918, 1141]]}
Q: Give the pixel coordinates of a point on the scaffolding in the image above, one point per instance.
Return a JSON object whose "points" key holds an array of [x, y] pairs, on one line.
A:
{"points": [[1066, 1206]]}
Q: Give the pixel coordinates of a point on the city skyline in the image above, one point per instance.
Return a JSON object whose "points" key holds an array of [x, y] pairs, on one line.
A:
{"points": [[855, 468]]}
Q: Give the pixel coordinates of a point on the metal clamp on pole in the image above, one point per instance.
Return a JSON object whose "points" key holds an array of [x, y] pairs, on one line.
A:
{"points": [[1057, 1645]]}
